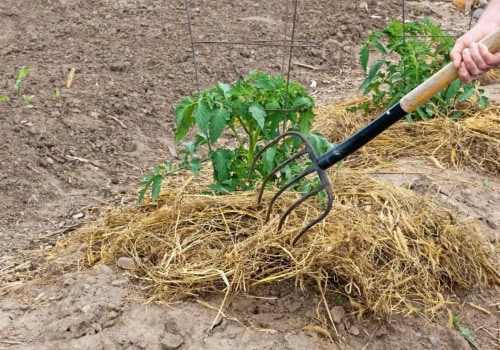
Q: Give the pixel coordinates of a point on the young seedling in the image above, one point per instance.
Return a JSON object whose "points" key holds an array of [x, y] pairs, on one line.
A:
{"points": [[4, 98], [464, 331], [58, 94], [486, 183], [23, 71], [27, 101]]}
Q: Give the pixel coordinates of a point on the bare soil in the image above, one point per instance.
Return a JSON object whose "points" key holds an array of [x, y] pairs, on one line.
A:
{"points": [[66, 158]]}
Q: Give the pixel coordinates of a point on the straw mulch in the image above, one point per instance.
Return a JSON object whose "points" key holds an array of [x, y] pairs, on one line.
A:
{"points": [[385, 248], [490, 77], [474, 140]]}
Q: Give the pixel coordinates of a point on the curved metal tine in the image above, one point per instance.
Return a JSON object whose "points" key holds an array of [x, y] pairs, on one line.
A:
{"points": [[306, 172], [259, 154], [329, 192], [325, 185], [307, 149], [299, 202], [273, 142], [278, 168]]}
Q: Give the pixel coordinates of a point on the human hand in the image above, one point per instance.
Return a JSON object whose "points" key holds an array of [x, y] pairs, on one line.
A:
{"points": [[473, 59]]}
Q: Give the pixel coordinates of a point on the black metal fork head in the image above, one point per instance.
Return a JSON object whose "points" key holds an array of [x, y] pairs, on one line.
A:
{"points": [[324, 185]]}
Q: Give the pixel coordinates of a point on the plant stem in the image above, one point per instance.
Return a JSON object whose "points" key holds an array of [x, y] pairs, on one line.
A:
{"points": [[236, 135], [242, 123], [252, 143]]}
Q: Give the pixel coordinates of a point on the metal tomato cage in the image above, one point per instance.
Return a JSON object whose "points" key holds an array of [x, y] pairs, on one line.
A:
{"points": [[288, 41], [320, 163]]}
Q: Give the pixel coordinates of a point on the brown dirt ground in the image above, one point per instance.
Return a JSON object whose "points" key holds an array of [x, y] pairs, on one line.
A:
{"points": [[64, 159]]}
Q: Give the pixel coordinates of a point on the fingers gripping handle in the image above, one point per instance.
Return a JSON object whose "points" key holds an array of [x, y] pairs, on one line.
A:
{"points": [[422, 93]]}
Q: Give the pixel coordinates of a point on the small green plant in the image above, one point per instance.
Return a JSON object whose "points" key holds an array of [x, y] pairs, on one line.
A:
{"points": [[58, 94], [464, 331], [153, 180], [23, 71], [411, 53], [251, 112], [27, 101], [4, 98]]}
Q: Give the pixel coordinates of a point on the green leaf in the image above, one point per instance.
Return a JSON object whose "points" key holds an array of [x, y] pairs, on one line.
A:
{"points": [[303, 102], [483, 101], [258, 113], [180, 133], [364, 55], [217, 124], [319, 143], [380, 48], [142, 193], [241, 108], [183, 110], [466, 332], [148, 179], [452, 90], [220, 161], [261, 81], [23, 71], [226, 89], [202, 115], [224, 188], [195, 166], [156, 187], [272, 129], [156, 169], [168, 166], [184, 119], [272, 104], [468, 92], [268, 158], [200, 139], [455, 115], [190, 147], [305, 122], [4, 98], [374, 70]]}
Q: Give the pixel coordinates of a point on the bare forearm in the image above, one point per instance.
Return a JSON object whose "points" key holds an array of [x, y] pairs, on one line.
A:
{"points": [[491, 16]]}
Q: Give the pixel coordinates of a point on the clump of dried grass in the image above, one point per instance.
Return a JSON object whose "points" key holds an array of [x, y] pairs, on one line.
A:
{"points": [[385, 248], [474, 140], [490, 77]]}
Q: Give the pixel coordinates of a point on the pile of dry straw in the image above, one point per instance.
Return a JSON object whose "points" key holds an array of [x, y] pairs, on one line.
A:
{"points": [[473, 141], [384, 247]]}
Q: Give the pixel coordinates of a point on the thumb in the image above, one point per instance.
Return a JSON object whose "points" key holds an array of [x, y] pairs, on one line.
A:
{"points": [[456, 54]]}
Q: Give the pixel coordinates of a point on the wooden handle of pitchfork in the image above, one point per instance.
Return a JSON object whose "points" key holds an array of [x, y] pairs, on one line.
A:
{"points": [[444, 77], [407, 104]]}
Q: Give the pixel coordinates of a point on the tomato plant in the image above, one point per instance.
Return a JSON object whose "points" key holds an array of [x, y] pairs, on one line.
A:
{"points": [[411, 53], [252, 111]]}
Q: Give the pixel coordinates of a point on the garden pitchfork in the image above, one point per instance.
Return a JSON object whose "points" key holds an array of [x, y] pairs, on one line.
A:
{"points": [[407, 104]]}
